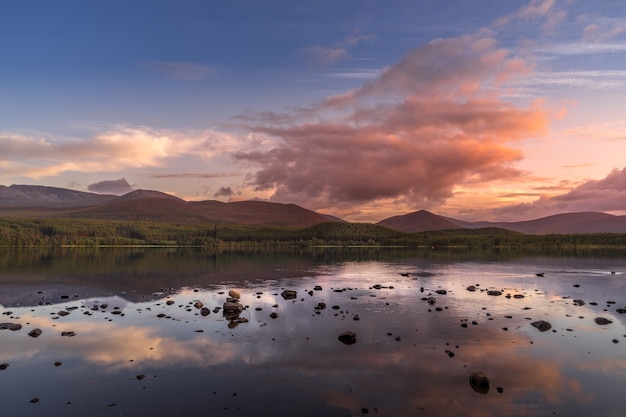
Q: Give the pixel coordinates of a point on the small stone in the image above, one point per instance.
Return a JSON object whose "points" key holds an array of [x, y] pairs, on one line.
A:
{"points": [[140, 377], [602, 321], [3, 366], [450, 353], [57, 363], [34, 400], [273, 315], [441, 292], [471, 288], [205, 311], [579, 303], [494, 293], [68, 334], [234, 294]]}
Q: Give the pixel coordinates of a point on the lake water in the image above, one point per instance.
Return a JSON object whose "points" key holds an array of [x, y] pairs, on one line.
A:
{"points": [[135, 341]]}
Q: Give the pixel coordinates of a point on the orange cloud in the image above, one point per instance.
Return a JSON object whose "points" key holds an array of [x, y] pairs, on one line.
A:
{"points": [[426, 124]]}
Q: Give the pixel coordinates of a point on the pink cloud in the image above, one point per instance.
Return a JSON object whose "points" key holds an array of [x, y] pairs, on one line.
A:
{"points": [[604, 195], [428, 123]]}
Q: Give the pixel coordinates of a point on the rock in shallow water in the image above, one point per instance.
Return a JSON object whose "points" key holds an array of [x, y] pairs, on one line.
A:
{"points": [[35, 333], [289, 294], [347, 338], [602, 321], [479, 382], [10, 326], [542, 325], [230, 307]]}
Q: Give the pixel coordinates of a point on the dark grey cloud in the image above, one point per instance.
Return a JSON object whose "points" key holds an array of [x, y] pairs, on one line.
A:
{"points": [[116, 187]]}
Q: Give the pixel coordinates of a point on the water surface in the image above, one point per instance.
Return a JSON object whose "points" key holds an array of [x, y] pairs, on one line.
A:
{"points": [[135, 343]]}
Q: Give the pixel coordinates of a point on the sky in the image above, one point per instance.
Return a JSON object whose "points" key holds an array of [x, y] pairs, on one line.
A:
{"points": [[363, 109]]}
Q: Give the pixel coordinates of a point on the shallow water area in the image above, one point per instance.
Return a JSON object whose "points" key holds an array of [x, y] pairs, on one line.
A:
{"points": [[125, 333]]}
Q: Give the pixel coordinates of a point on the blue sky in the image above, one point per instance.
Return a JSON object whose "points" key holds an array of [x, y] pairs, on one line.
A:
{"points": [[363, 109]]}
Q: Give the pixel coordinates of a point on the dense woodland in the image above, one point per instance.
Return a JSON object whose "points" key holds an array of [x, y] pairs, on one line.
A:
{"points": [[94, 233]]}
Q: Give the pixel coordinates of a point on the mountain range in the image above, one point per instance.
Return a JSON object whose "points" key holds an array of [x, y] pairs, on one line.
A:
{"points": [[145, 205]]}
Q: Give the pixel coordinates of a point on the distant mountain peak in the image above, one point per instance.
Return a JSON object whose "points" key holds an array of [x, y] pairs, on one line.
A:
{"points": [[141, 194], [418, 221]]}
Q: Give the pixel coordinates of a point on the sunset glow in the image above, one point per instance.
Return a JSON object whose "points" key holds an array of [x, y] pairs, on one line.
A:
{"points": [[482, 110]]}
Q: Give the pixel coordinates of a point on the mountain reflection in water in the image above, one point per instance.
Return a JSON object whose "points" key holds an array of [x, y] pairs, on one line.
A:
{"points": [[136, 344]]}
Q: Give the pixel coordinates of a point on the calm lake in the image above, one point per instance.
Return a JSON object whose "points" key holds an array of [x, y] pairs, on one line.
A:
{"points": [[142, 332]]}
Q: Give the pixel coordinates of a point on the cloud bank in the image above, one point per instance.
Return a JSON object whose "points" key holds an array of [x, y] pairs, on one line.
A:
{"points": [[111, 149], [605, 195], [430, 122]]}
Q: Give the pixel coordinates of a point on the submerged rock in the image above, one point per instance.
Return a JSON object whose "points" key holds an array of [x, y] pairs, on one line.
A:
{"points": [[347, 338], [479, 382], [602, 321], [579, 302], [494, 292], [542, 325]]}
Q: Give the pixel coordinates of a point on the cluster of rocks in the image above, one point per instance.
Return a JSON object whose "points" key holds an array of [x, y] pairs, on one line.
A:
{"points": [[232, 308]]}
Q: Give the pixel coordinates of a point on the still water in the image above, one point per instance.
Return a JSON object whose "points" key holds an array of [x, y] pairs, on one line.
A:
{"points": [[137, 342]]}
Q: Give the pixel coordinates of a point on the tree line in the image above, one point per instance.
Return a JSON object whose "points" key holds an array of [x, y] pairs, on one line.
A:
{"points": [[93, 233]]}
